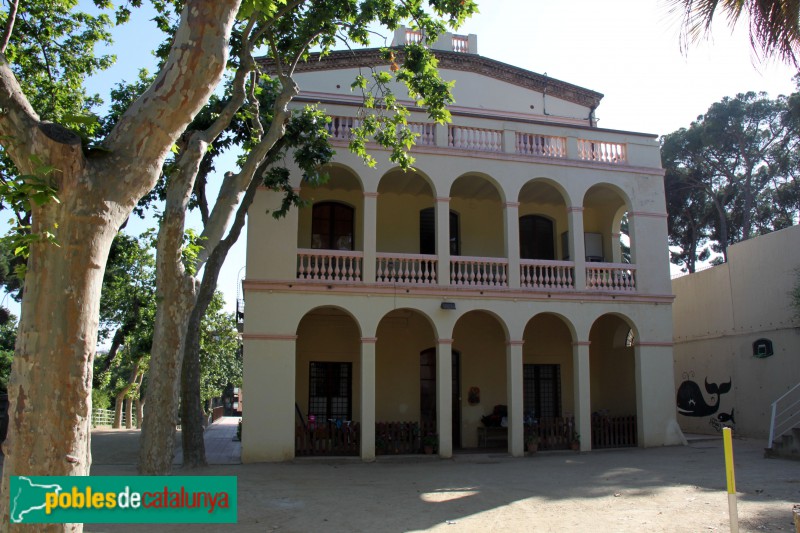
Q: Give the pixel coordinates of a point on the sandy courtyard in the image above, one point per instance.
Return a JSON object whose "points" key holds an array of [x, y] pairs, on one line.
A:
{"points": [[680, 489]]}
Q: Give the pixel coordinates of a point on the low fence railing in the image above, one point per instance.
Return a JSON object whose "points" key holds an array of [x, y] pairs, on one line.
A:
{"points": [[426, 132], [541, 145], [340, 127], [478, 271], [611, 276], [539, 274], [785, 414], [102, 417], [405, 268], [603, 151], [328, 439], [329, 265], [401, 437], [614, 432]]}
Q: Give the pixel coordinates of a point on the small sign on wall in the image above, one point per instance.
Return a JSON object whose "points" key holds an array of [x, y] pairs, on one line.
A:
{"points": [[762, 348]]}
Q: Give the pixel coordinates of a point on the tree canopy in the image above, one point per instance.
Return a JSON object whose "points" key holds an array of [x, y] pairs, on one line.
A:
{"points": [[731, 175]]}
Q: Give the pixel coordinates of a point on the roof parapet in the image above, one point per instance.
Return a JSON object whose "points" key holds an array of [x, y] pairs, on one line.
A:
{"points": [[451, 42]]}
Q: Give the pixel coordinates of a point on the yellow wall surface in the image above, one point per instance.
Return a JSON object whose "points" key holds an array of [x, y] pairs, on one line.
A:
{"points": [[398, 222], [402, 335], [354, 199], [482, 227]]}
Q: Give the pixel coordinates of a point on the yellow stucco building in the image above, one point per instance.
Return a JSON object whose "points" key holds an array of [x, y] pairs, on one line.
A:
{"points": [[397, 305]]}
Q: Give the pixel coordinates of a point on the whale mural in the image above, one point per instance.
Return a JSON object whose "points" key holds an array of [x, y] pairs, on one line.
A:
{"points": [[691, 401]]}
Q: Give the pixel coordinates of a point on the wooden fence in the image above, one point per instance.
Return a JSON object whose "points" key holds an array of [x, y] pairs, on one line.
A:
{"points": [[614, 432], [401, 437], [328, 439], [554, 433]]}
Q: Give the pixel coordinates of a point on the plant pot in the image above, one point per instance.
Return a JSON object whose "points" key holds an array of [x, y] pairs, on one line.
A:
{"points": [[533, 447], [428, 450], [576, 446]]}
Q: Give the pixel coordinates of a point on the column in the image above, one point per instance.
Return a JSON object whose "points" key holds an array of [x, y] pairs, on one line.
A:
{"points": [[368, 398], [516, 437], [269, 379], [512, 244], [370, 236], [577, 249], [583, 398], [444, 396], [443, 239]]}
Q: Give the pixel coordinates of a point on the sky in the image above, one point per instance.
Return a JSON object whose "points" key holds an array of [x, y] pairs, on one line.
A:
{"points": [[628, 50]]}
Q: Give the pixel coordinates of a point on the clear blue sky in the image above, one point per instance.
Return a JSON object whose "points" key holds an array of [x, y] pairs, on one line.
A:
{"points": [[626, 49]]}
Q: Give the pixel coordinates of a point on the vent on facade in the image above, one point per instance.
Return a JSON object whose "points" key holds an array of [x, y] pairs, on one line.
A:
{"points": [[762, 348]]}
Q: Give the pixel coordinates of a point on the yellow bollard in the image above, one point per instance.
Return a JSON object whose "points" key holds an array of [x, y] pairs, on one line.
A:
{"points": [[727, 440]]}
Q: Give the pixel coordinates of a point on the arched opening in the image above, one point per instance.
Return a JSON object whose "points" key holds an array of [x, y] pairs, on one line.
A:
{"points": [[481, 340], [402, 414], [547, 382], [401, 195], [336, 213], [613, 383], [327, 395], [604, 207], [482, 230]]}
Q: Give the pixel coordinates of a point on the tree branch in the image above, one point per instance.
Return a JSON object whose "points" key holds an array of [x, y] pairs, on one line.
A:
{"points": [[12, 15]]}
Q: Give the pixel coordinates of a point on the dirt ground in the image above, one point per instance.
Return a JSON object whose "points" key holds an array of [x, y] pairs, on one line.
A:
{"points": [[680, 489]]}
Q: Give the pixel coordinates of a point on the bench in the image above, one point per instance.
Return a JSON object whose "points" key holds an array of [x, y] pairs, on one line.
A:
{"points": [[491, 434]]}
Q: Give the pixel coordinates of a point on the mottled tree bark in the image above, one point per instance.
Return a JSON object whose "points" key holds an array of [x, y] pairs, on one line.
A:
{"points": [[51, 380]]}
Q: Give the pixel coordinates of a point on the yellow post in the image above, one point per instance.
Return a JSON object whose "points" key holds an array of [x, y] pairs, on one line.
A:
{"points": [[728, 445]]}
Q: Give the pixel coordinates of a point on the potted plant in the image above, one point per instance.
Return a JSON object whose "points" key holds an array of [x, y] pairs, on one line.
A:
{"points": [[575, 441], [430, 442], [532, 442]]}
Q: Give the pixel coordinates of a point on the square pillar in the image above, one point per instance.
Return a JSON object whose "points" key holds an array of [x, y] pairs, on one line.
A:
{"points": [[368, 398], [444, 396], [514, 384], [655, 397], [512, 244], [577, 248], [443, 240], [370, 236], [269, 379], [583, 397]]}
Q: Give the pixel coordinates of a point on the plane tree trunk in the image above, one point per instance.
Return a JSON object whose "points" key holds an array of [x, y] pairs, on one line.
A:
{"points": [[51, 378]]}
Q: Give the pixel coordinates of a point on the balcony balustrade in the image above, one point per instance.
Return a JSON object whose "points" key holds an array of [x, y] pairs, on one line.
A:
{"points": [[605, 152], [406, 268], [611, 277], [541, 145], [491, 140], [478, 271], [549, 275], [329, 265], [475, 139]]}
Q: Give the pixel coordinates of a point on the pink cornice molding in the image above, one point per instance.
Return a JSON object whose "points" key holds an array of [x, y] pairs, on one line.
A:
{"points": [[370, 194], [656, 344], [581, 343], [445, 341], [268, 337], [512, 204], [648, 214], [575, 209], [442, 199], [515, 343], [369, 340]]}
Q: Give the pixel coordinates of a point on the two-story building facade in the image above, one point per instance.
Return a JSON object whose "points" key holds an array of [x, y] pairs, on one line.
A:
{"points": [[398, 304]]}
